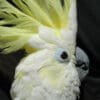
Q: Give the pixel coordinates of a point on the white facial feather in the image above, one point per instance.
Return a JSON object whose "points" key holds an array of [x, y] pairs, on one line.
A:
{"points": [[31, 78]]}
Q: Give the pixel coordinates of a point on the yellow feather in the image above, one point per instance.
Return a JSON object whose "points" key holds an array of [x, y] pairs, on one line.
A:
{"points": [[18, 24]]}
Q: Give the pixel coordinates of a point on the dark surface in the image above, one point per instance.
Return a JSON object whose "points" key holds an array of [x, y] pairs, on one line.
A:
{"points": [[89, 40], [7, 70], [89, 32]]}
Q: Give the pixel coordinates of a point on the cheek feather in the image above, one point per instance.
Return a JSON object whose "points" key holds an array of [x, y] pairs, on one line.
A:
{"points": [[52, 75]]}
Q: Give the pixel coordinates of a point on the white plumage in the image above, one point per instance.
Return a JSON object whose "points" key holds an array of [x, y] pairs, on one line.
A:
{"points": [[41, 77], [49, 72]]}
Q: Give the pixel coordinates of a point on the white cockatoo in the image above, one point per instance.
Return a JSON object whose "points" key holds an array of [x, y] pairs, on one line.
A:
{"points": [[48, 29]]}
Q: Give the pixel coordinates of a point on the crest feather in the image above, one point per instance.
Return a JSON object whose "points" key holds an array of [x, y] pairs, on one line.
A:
{"points": [[19, 23]]}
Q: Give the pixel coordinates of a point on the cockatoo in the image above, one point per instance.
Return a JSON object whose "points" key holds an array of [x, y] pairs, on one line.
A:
{"points": [[47, 30]]}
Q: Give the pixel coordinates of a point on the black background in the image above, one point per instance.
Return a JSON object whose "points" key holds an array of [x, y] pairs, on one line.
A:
{"points": [[88, 38], [89, 31]]}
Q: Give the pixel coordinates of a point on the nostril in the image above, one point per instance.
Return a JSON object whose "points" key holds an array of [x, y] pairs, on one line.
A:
{"points": [[84, 67]]}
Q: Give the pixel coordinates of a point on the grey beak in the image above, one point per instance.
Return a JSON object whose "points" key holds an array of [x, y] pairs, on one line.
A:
{"points": [[82, 63]]}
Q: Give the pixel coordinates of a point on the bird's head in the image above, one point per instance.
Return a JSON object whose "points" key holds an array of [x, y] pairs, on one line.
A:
{"points": [[43, 25], [59, 39]]}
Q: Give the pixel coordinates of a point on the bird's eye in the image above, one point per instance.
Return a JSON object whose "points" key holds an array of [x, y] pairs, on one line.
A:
{"points": [[62, 55]]}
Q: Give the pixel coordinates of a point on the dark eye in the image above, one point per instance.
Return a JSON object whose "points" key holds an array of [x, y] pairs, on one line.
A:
{"points": [[62, 55]]}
